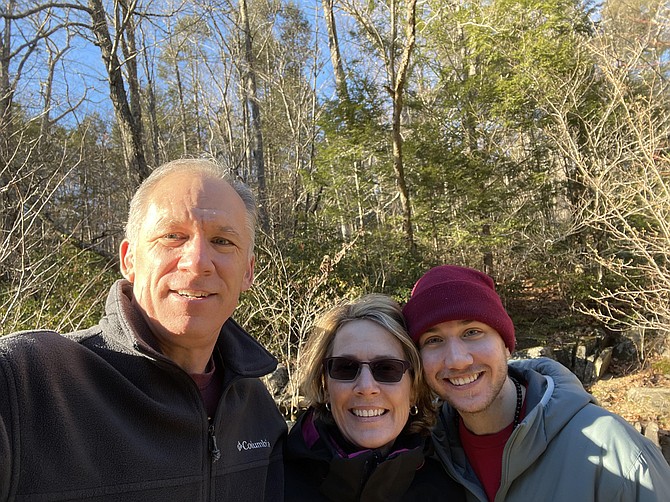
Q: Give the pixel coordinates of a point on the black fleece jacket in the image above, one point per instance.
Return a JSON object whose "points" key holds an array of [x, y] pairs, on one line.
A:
{"points": [[97, 415]]}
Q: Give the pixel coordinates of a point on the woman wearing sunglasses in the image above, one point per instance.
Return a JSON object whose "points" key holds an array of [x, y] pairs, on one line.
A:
{"points": [[365, 436]]}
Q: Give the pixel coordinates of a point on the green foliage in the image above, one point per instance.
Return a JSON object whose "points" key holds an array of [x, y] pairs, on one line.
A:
{"points": [[514, 110], [661, 366], [301, 278], [353, 168], [356, 122], [483, 167]]}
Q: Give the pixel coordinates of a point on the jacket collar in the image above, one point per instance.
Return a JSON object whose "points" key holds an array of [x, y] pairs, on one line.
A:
{"points": [[239, 351]]}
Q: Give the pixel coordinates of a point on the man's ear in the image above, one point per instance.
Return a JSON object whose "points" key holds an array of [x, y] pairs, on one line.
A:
{"points": [[127, 260], [248, 279]]}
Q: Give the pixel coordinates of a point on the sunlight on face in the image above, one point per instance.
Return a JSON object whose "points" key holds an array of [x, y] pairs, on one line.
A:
{"points": [[368, 413], [191, 260], [465, 363]]}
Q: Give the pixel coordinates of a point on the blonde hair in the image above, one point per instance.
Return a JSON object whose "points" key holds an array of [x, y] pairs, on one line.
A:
{"points": [[386, 312]]}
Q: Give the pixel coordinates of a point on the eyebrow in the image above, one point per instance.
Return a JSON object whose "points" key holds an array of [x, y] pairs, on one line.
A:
{"points": [[375, 358], [462, 322], [226, 229], [167, 223]]}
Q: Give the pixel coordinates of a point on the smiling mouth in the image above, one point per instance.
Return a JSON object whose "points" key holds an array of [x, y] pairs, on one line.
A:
{"points": [[192, 294], [464, 380], [369, 413]]}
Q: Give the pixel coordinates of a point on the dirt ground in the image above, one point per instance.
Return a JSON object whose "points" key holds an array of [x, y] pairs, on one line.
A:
{"points": [[612, 393]]}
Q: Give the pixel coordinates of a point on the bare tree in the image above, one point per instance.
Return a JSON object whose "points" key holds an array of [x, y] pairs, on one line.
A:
{"points": [[283, 304], [399, 81], [622, 157], [58, 198], [127, 111], [335, 52], [257, 162]]}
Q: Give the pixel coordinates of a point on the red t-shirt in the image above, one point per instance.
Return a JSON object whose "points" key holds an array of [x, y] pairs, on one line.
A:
{"points": [[485, 453]]}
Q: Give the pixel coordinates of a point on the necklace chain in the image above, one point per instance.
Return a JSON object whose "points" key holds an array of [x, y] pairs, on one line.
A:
{"points": [[519, 401]]}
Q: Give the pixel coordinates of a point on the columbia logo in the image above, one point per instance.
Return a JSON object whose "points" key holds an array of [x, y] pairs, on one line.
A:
{"points": [[248, 445]]}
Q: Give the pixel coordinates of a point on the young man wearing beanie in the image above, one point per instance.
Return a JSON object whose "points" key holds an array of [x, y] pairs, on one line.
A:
{"points": [[518, 430]]}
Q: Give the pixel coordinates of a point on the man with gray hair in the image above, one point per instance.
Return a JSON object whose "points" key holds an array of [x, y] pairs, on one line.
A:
{"points": [[162, 399]]}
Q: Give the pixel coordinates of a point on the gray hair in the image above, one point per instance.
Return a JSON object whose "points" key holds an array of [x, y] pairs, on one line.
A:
{"points": [[140, 201]]}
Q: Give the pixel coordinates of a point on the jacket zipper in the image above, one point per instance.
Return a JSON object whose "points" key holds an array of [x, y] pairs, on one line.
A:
{"points": [[214, 455], [214, 452], [213, 448]]}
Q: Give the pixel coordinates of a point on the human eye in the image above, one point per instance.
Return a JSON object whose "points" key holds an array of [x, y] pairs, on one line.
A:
{"points": [[344, 364], [221, 241], [388, 370], [472, 332], [429, 340], [343, 368], [387, 365], [172, 238]]}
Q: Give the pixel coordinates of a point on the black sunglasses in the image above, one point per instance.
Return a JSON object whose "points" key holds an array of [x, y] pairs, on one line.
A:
{"points": [[383, 370]]}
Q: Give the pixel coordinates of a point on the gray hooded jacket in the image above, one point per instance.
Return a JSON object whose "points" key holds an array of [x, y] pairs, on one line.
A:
{"points": [[567, 449]]}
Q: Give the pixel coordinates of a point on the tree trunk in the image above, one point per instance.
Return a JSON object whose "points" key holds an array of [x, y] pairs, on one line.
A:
{"points": [[151, 109], [256, 136], [6, 90], [130, 52], [182, 105], [9, 201], [399, 79], [55, 54], [131, 131], [335, 57]]}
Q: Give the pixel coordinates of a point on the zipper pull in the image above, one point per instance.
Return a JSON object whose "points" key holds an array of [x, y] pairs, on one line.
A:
{"points": [[213, 448]]}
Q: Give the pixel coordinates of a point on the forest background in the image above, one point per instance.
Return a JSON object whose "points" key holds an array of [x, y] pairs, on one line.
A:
{"points": [[529, 139]]}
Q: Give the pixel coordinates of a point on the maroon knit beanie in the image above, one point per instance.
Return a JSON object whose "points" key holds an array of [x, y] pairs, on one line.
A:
{"points": [[451, 293]]}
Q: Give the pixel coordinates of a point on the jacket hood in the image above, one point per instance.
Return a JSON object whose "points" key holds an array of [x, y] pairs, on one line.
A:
{"points": [[566, 447], [554, 392], [313, 438], [319, 468], [554, 395]]}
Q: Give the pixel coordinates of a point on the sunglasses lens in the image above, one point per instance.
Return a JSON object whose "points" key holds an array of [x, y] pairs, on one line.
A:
{"points": [[383, 370], [341, 368], [387, 370]]}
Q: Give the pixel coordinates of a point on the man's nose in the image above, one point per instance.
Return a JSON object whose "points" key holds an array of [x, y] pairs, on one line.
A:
{"points": [[196, 255], [457, 354]]}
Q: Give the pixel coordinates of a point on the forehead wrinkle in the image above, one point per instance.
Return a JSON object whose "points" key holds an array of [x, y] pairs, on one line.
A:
{"points": [[167, 217]]}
